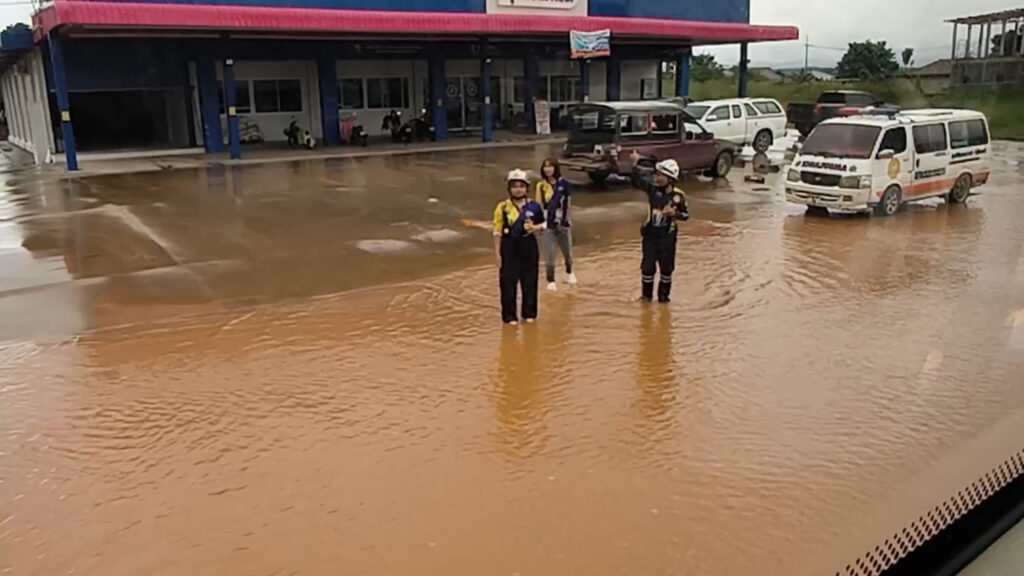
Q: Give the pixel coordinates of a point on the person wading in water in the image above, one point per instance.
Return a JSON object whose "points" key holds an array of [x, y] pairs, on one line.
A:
{"points": [[666, 205], [515, 247], [553, 196]]}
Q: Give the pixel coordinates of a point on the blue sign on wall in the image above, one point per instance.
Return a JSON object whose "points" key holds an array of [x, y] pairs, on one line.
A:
{"points": [[705, 10]]}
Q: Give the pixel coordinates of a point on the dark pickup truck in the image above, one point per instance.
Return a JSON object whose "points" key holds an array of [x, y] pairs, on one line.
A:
{"points": [[805, 116]]}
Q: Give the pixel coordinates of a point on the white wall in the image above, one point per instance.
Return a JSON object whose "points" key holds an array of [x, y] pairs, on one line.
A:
{"points": [[273, 125], [27, 108], [632, 72], [414, 70]]}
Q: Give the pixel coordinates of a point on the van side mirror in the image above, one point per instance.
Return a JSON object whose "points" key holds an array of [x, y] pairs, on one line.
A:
{"points": [[886, 154]]}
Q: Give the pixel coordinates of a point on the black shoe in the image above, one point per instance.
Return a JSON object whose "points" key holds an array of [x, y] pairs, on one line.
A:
{"points": [[664, 300]]}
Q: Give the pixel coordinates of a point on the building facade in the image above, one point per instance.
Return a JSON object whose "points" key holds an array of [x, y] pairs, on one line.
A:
{"points": [[111, 75]]}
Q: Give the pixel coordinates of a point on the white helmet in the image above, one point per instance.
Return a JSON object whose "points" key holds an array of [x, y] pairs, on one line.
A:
{"points": [[669, 168], [518, 175]]}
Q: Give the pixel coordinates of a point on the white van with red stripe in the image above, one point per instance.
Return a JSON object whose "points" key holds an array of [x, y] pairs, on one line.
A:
{"points": [[881, 159]]}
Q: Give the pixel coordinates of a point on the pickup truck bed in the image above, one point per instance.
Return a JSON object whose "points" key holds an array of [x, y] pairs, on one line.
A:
{"points": [[806, 115]]}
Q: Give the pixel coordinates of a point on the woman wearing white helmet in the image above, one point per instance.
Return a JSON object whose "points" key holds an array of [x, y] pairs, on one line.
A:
{"points": [[515, 247], [666, 205]]}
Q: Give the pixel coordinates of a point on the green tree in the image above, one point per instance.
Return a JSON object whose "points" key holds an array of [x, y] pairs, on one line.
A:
{"points": [[908, 57], [704, 67], [868, 61]]}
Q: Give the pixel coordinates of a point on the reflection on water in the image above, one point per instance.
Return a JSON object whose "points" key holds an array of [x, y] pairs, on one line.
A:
{"points": [[207, 372]]}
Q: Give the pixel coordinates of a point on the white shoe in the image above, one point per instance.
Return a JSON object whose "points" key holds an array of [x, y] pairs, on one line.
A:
{"points": [[552, 287], [572, 280], [531, 320]]}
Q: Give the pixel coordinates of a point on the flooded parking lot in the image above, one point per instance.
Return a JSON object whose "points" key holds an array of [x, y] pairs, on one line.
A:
{"points": [[300, 369]]}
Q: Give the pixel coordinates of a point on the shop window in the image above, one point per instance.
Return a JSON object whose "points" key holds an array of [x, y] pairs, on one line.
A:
{"points": [[350, 91], [272, 96], [566, 89], [519, 89], [387, 93], [243, 103]]}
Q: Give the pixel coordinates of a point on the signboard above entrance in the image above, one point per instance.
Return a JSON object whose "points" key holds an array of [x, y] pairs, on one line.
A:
{"points": [[590, 44], [538, 7], [551, 4]]}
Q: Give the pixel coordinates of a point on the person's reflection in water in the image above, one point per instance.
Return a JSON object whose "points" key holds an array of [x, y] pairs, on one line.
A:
{"points": [[519, 384], [656, 375]]}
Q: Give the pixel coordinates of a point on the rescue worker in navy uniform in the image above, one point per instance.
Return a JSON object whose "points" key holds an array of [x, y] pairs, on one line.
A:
{"points": [[515, 247], [666, 206]]}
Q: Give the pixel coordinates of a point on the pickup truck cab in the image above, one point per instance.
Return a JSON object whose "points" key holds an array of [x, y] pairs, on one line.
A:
{"points": [[805, 115], [602, 135], [756, 122], [881, 160]]}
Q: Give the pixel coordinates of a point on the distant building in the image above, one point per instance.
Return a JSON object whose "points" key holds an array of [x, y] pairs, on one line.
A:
{"points": [[933, 78], [154, 75], [987, 50]]}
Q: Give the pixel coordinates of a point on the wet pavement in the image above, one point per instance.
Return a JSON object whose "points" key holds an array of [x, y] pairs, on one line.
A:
{"points": [[300, 369]]}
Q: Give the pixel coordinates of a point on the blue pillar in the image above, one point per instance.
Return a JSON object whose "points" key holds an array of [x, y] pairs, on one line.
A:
{"points": [[209, 104], [229, 103], [613, 79], [683, 73], [329, 99], [60, 85], [485, 90], [531, 88], [437, 96], [585, 79], [744, 62]]}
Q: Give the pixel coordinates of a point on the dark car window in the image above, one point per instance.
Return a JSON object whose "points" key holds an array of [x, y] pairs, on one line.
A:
{"points": [[697, 111], [719, 114], [967, 133], [750, 110], [832, 98], [768, 108], [930, 138], [895, 139], [737, 112]]}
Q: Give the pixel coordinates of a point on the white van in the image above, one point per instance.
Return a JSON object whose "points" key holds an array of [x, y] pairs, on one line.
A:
{"points": [[881, 159], [756, 122]]}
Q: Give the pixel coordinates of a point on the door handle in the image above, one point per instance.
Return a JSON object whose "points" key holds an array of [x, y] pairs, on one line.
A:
{"points": [[918, 163]]}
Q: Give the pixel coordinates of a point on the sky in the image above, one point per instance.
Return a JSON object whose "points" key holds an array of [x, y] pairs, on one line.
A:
{"points": [[829, 25], [833, 24]]}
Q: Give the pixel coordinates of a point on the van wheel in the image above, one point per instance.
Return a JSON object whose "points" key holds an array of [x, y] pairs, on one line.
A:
{"points": [[890, 202], [722, 166], [598, 177], [961, 190], [763, 141]]}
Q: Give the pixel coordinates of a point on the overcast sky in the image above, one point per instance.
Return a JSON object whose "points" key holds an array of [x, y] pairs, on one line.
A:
{"points": [[831, 24], [918, 24]]}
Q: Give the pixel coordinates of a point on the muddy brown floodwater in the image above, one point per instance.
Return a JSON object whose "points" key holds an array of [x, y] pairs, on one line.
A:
{"points": [[300, 369]]}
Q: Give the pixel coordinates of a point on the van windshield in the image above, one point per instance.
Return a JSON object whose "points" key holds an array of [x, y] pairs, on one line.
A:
{"points": [[591, 125], [841, 141]]}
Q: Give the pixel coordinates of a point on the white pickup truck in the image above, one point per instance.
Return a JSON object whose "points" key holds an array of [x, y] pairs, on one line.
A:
{"points": [[756, 122]]}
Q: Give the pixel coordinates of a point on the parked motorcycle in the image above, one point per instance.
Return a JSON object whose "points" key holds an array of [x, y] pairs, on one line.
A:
{"points": [[422, 127], [299, 137], [393, 123], [358, 135]]}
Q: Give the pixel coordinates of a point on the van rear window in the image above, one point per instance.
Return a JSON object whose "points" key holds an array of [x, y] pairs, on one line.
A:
{"points": [[967, 133]]}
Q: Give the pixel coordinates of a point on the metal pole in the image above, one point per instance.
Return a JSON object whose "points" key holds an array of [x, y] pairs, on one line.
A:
{"points": [[956, 27], [585, 80], [744, 61], [485, 92], [229, 103]]}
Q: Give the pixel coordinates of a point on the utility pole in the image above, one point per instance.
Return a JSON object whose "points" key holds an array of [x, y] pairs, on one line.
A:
{"points": [[807, 54]]}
